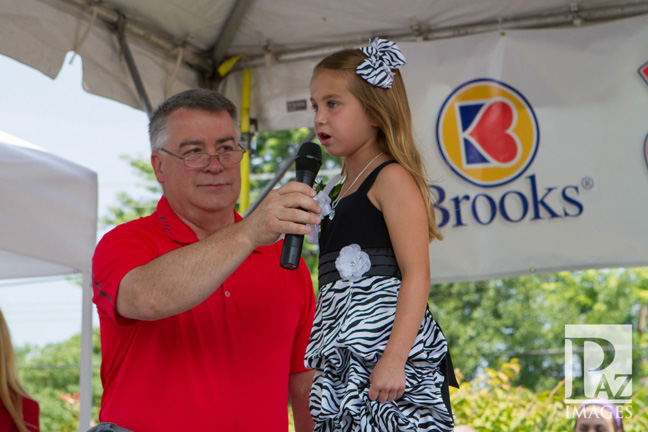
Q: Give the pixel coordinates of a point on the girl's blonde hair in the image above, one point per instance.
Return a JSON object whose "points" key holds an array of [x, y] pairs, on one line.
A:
{"points": [[11, 392], [390, 109]]}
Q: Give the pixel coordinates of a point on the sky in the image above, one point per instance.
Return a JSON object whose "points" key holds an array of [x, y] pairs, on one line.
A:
{"points": [[92, 131]]}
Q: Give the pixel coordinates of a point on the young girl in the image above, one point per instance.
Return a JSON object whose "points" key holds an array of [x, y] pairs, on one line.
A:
{"points": [[381, 360], [598, 416], [18, 413]]}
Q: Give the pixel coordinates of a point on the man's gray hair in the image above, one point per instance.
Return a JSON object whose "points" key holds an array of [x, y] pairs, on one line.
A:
{"points": [[191, 100]]}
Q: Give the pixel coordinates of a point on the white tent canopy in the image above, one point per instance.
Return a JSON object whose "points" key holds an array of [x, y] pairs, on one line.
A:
{"points": [[48, 223], [178, 44]]}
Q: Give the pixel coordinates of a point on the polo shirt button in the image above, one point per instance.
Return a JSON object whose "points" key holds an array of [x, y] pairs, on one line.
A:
{"points": [[227, 294]]}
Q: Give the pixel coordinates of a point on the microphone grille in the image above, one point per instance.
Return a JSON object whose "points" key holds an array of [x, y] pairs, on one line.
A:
{"points": [[309, 157]]}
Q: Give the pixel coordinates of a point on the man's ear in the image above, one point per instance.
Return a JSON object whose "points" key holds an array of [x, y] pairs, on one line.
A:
{"points": [[156, 163]]}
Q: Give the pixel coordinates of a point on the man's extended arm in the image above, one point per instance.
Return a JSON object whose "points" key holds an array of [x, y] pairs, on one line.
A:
{"points": [[181, 279]]}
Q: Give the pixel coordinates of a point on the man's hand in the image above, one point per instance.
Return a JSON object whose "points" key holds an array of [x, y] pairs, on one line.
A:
{"points": [[387, 380], [280, 213]]}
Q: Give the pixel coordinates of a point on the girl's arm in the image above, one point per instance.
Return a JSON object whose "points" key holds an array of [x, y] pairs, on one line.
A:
{"points": [[395, 193]]}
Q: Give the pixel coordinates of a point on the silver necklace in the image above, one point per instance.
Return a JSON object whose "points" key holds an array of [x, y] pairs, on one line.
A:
{"points": [[337, 200]]}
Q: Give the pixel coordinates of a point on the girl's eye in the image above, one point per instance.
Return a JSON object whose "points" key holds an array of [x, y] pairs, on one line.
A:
{"points": [[332, 104], [314, 108]]}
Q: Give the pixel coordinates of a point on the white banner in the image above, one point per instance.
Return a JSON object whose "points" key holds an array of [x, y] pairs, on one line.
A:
{"points": [[536, 144]]}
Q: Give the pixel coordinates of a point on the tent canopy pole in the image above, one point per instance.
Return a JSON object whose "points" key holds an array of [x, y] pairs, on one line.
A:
{"points": [[120, 28]]}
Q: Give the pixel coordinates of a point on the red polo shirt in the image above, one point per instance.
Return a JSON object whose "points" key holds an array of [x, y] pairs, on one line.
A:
{"points": [[221, 366]]}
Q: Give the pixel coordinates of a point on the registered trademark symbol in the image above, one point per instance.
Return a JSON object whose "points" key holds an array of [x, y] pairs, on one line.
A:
{"points": [[587, 183]]}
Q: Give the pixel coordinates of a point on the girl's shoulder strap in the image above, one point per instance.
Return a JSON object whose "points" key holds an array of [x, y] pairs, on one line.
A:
{"points": [[371, 178]]}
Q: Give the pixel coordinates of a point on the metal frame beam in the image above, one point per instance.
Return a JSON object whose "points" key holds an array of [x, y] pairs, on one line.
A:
{"points": [[204, 62], [227, 34], [573, 17], [132, 66], [155, 38]]}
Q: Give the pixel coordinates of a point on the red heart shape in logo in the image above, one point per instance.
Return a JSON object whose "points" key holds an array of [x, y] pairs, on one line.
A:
{"points": [[490, 133]]}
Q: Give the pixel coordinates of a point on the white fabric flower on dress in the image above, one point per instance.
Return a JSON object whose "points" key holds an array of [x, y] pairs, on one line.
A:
{"points": [[323, 199], [352, 263], [324, 202], [313, 236]]}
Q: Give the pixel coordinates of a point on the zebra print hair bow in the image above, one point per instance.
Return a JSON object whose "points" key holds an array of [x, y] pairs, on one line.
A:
{"points": [[382, 57]]}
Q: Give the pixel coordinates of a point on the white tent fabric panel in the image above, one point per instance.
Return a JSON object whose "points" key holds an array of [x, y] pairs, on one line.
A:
{"points": [[279, 95], [21, 266], [270, 32], [39, 34], [49, 213]]}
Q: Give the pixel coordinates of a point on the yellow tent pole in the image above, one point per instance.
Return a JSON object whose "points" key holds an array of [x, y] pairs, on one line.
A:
{"points": [[227, 65], [244, 197]]}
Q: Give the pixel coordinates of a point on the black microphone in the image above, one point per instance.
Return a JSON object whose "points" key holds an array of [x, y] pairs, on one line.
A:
{"points": [[307, 164]]}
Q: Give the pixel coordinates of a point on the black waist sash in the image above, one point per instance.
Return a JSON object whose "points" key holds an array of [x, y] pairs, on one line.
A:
{"points": [[383, 263]]}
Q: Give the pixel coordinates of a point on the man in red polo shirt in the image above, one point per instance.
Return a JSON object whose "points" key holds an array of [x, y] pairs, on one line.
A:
{"points": [[201, 329]]}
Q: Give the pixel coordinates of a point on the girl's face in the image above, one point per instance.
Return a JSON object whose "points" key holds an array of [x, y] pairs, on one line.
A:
{"points": [[595, 418], [341, 124]]}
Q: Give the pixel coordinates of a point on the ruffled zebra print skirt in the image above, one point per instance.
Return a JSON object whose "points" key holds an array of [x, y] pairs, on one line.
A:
{"points": [[351, 329]]}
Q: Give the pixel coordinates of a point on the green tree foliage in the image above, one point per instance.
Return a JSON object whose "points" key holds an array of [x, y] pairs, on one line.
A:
{"points": [[50, 375], [492, 402], [489, 322], [130, 207]]}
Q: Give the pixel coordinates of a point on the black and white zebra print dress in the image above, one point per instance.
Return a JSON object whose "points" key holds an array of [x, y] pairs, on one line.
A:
{"points": [[352, 325]]}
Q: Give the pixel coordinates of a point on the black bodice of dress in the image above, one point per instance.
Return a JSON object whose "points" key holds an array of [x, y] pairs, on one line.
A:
{"points": [[356, 220]]}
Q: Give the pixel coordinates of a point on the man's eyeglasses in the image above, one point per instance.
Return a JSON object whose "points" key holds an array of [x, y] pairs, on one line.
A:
{"points": [[201, 160]]}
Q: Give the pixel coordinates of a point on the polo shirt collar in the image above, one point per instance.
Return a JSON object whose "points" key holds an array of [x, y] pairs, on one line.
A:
{"points": [[175, 228]]}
